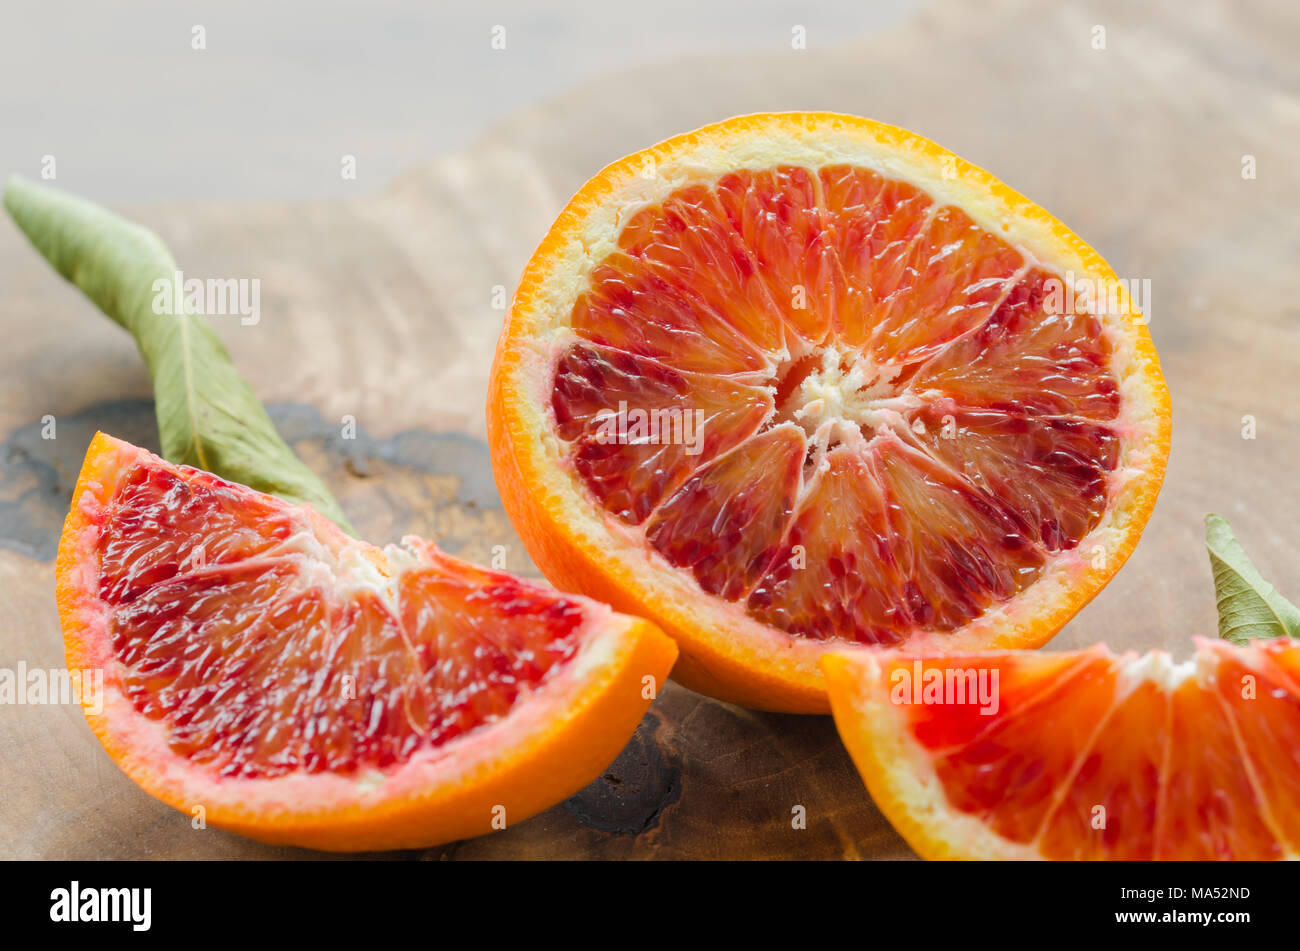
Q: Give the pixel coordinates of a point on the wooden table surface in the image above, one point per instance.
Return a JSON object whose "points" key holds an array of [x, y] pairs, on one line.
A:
{"points": [[381, 308]]}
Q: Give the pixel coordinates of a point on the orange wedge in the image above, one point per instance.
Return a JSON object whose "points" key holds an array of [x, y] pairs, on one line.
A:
{"points": [[1079, 755], [269, 675]]}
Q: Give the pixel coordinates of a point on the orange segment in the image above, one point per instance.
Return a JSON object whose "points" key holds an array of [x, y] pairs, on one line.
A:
{"points": [[778, 218], [965, 443], [689, 244], [1047, 475], [842, 524], [960, 550], [875, 224], [308, 688], [1211, 808], [633, 308], [1109, 806], [1080, 755], [1029, 357], [1261, 703], [954, 276], [743, 520], [640, 429], [1006, 775]]}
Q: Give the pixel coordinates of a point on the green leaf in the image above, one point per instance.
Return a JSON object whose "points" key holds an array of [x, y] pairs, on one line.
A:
{"points": [[1249, 607], [208, 416]]}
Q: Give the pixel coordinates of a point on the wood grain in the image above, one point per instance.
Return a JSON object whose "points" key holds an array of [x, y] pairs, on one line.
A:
{"points": [[381, 309]]}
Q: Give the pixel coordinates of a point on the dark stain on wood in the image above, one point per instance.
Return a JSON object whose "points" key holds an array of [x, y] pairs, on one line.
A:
{"points": [[37, 473], [633, 794]]}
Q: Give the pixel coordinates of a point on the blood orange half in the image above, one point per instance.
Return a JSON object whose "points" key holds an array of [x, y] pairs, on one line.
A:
{"points": [[797, 381], [282, 680], [1079, 755]]}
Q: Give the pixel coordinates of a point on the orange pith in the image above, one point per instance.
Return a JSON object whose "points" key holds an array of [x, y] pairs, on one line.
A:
{"points": [[1080, 755], [307, 688], [800, 380]]}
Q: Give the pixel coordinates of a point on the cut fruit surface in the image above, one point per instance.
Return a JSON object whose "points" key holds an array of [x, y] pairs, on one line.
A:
{"points": [[800, 380], [1080, 755], [307, 688]]}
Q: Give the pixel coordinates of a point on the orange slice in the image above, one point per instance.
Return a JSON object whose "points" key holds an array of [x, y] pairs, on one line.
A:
{"points": [[796, 381], [1079, 755], [269, 674]]}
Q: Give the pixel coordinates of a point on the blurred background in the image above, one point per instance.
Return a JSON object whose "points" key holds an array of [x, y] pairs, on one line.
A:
{"points": [[281, 90]]}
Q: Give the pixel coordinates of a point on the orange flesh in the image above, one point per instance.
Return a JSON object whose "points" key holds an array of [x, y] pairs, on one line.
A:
{"points": [[1079, 763], [975, 431], [231, 634]]}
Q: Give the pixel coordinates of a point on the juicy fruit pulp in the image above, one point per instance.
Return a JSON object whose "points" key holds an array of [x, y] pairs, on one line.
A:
{"points": [[1086, 755], [311, 689], [896, 421], [262, 652]]}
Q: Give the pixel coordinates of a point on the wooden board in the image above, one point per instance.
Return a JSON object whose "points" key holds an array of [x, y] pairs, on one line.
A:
{"points": [[381, 309]]}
